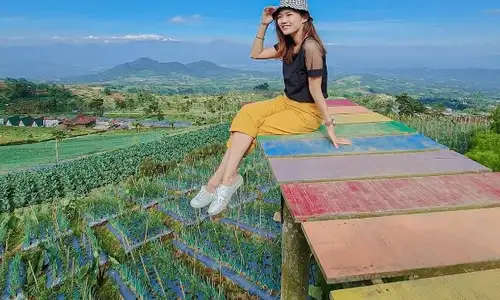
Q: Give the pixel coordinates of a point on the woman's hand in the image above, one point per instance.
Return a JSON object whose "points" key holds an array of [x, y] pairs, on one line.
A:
{"points": [[335, 140], [267, 15]]}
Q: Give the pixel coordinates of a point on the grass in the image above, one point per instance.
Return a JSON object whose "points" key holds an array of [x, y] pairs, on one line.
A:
{"points": [[31, 155], [455, 135]]}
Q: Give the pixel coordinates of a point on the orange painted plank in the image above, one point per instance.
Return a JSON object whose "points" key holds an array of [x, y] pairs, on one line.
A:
{"points": [[369, 198], [371, 248], [334, 110]]}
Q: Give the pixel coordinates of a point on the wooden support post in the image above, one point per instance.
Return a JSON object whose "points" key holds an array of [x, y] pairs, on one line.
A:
{"points": [[295, 259]]}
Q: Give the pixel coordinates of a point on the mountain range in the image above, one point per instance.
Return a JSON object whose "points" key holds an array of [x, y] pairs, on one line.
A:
{"points": [[56, 60], [144, 68]]}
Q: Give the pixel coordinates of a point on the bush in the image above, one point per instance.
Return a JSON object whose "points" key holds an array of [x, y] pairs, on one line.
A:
{"points": [[76, 178], [486, 150]]}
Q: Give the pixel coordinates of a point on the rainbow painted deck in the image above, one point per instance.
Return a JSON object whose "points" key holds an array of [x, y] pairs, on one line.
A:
{"points": [[389, 246], [394, 203], [369, 198], [366, 166], [349, 130], [323, 147]]}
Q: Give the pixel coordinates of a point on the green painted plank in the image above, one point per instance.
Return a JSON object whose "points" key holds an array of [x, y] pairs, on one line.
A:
{"points": [[350, 130]]}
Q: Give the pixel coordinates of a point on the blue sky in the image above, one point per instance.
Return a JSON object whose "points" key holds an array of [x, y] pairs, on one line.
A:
{"points": [[343, 22]]}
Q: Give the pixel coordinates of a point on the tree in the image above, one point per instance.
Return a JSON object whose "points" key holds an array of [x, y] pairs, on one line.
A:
{"points": [[107, 91], [262, 87], [408, 106], [495, 120], [58, 135], [97, 105], [120, 103]]}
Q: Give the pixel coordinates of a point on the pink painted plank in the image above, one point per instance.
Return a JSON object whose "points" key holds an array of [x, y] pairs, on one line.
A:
{"points": [[367, 198], [340, 102], [370, 248], [366, 166]]}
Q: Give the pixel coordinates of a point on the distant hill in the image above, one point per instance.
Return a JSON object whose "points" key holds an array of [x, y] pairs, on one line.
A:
{"points": [[467, 78], [146, 69]]}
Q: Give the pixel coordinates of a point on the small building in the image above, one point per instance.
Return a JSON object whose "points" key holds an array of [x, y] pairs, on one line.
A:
{"points": [[38, 122], [50, 123], [26, 122], [13, 121]]}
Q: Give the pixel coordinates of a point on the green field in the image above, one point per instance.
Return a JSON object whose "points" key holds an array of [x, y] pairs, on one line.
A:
{"points": [[11, 135], [31, 155]]}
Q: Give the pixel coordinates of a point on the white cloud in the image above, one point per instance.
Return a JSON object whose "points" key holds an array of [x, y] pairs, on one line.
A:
{"points": [[181, 19], [108, 39]]}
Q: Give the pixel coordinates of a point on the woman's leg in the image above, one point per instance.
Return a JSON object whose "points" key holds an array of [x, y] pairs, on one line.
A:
{"points": [[294, 118], [216, 178], [243, 131], [240, 145]]}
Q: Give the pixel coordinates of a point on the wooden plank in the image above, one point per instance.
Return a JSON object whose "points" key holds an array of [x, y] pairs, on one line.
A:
{"points": [[349, 130], [340, 102], [324, 147], [365, 166], [480, 285], [334, 110], [401, 245], [369, 198], [361, 118]]}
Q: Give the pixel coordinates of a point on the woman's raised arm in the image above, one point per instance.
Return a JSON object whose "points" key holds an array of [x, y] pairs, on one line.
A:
{"points": [[258, 51]]}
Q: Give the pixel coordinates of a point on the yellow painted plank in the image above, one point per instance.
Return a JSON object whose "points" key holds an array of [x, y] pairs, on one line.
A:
{"points": [[353, 109], [361, 118], [482, 285]]}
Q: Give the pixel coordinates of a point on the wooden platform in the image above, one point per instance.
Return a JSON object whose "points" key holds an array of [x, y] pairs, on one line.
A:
{"points": [[349, 130], [366, 166], [370, 248], [394, 203], [369, 198], [324, 147], [482, 285], [370, 117]]}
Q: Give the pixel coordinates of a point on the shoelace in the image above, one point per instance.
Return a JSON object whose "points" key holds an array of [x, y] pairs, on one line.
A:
{"points": [[221, 195]]}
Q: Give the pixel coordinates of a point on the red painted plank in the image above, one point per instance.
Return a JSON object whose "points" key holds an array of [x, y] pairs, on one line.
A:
{"points": [[370, 248], [340, 102], [365, 198]]}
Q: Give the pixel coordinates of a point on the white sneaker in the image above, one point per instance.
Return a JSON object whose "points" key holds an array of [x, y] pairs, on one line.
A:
{"points": [[202, 199], [223, 195]]}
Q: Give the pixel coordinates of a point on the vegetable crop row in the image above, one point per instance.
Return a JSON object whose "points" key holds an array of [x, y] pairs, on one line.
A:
{"points": [[76, 178]]}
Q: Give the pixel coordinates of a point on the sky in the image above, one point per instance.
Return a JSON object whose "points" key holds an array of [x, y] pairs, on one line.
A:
{"points": [[340, 22]]}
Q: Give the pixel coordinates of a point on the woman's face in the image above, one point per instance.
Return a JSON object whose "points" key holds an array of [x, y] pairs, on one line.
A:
{"points": [[289, 21]]}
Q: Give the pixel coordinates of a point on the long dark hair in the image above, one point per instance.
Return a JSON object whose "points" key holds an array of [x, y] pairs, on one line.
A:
{"points": [[286, 42]]}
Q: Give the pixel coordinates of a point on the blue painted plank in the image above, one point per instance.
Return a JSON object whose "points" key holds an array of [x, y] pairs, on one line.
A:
{"points": [[374, 144]]}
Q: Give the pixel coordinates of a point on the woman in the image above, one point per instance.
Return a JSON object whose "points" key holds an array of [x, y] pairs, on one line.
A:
{"points": [[301, 109]]}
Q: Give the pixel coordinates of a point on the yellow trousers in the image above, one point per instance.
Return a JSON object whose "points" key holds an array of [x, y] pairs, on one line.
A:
{"points": [[276, 116]]}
